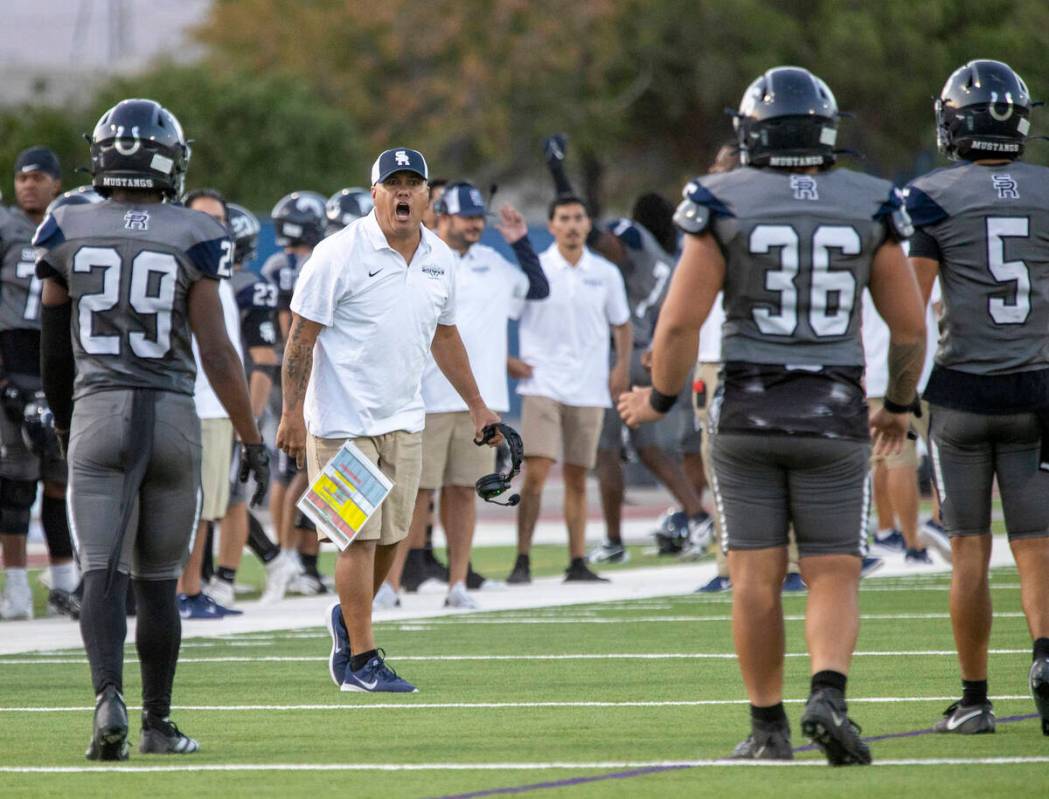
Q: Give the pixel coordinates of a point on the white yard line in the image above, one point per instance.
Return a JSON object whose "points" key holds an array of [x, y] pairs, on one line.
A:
{"points": [[408, 704], [625, 765], [559, 657]]}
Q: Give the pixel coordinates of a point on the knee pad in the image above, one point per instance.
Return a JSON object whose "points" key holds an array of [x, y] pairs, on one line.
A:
{"points": [[56, 527], [16, 501]]}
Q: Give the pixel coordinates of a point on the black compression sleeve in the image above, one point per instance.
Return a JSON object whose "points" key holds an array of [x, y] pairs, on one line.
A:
{"points": [[922, 245], [57, 366], [538, 286]]}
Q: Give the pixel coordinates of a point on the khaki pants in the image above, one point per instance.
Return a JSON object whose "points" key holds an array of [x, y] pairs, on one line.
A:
{"points": [[551, 429], [450, 456], [399, 456]]}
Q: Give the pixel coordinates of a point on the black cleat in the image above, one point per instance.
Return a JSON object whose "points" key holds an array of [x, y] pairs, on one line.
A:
{"points": [[162, 737], [474, 580], [826, 722], [109, 734], [579, 572], [765, 742], [967, 719], [1039, 681], [435, 570], [522, 572], [64, 603]]}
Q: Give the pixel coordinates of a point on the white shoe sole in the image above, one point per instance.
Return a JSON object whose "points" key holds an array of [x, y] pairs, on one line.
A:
{"points": [[936, 541]]}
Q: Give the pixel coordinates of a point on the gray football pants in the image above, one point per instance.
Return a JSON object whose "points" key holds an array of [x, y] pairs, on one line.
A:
{"points": [[134, 481]]}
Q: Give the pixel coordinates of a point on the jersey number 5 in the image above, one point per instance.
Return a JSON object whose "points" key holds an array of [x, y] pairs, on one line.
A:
{"points": [[825, 318], [151, 292], [1002, 311]]}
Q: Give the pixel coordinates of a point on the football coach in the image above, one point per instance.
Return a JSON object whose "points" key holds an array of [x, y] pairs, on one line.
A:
{"points": [[369, 303]]}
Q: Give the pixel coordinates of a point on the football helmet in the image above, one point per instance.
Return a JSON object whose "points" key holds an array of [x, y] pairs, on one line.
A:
{"points": [[346, 205], [787, 118], [82, 195], [299, 219], [983, 111], [139, 144], [245, 227]]}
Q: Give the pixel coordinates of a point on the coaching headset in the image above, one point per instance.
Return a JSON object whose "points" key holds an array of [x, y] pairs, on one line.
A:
{"points": [[492, 485]]}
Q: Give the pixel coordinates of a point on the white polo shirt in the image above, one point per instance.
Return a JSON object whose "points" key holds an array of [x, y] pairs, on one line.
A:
{"points": [[379, 315], [565, 338], [489, 291], [204, 397]]}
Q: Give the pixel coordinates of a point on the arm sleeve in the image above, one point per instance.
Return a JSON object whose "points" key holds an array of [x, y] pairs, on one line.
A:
{"points": [[57, 367], [923, 245], [317, 290], [538, 286]]}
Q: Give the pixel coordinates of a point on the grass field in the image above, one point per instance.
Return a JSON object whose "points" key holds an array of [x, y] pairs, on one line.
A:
{"points": [[615, 699]]}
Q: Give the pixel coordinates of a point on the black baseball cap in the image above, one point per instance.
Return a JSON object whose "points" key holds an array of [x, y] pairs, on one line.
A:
{"points": [[38, 159], [399, 159]]}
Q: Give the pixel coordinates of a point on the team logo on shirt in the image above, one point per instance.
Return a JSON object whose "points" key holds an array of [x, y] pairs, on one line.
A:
{"points": [[432, 271], [589, 281], [804, 187], [1006, 187], [136, 220]]}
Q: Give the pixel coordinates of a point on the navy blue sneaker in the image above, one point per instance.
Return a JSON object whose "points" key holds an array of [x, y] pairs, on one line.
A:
{"points": [[917, 556], [375, 676], [716, 585], [870, 565], [892, 542], [202, 606], [339, 660], [793, 582]]}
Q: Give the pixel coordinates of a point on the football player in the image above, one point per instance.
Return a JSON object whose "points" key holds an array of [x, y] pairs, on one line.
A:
{"points": [[124, 282], [982, 225], [792, 243], [344, 206], [37, 182]]}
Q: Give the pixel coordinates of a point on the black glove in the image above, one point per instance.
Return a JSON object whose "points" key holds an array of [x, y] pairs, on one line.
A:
{"points": [[14, 402], [554, 148], [255, 460]]}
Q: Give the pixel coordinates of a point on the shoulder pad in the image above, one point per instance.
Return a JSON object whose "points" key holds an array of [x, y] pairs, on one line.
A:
{"points": [[894, 212], [697, 207], [922, 208], [626, 231], [49, 235]]}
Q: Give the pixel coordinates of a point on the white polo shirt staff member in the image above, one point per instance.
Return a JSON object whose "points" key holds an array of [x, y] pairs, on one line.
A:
{"points": [[369, 304], [567, 384]]}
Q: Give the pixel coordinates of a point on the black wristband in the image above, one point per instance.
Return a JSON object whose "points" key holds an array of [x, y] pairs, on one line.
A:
{"points": [[895, 407], [661, 402]]}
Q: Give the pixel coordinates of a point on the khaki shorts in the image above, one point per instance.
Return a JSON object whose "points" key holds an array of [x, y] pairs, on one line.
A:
{"points": [[551, 429], [907, 458], [399, 456], [216, 456], [450, 457]]}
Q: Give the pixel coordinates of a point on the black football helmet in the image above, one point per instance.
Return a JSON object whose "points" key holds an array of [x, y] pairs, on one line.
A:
{"points": [[139, 144], [299, 219], [346, 205], [82, 195], [983, 111], [787, 118], [245, 227]]}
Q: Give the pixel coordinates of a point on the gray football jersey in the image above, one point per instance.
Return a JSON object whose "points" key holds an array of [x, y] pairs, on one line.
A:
{"points": [[128, 269], [798, 250], [991, 224], [647, 278], [19, 285]]}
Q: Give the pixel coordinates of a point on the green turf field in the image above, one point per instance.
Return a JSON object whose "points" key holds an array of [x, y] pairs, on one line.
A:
{"points": [[645, 682]]}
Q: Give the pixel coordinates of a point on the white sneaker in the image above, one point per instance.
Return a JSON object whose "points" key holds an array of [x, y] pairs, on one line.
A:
{"points": [[221, 592], [386, 598], [279, 573], [307, 585], [16, 603], [700, 536], [459, 598]]}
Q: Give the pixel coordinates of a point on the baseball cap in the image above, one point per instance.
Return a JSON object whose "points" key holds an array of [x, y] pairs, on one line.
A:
{"points": [[38, 159], [399, 159], [462, 199]]}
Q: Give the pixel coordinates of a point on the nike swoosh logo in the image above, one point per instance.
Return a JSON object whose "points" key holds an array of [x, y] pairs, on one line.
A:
{"points": [[838, 720], [377, 271], [368, 686], [958, 721]]}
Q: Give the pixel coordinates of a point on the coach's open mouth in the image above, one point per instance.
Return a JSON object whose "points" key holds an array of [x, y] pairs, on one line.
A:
{"points": [[402, 211]]}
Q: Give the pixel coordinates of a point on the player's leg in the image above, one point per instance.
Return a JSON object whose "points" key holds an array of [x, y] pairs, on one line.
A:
{"points": [[16, 502], [829, 503], [580, 429], [412, 546], [1024, 489], [963, 464], [751, 499]]}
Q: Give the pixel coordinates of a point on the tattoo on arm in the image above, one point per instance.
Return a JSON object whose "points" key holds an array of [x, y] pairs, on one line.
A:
{"points": [[298, 364], [905, 369]]}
